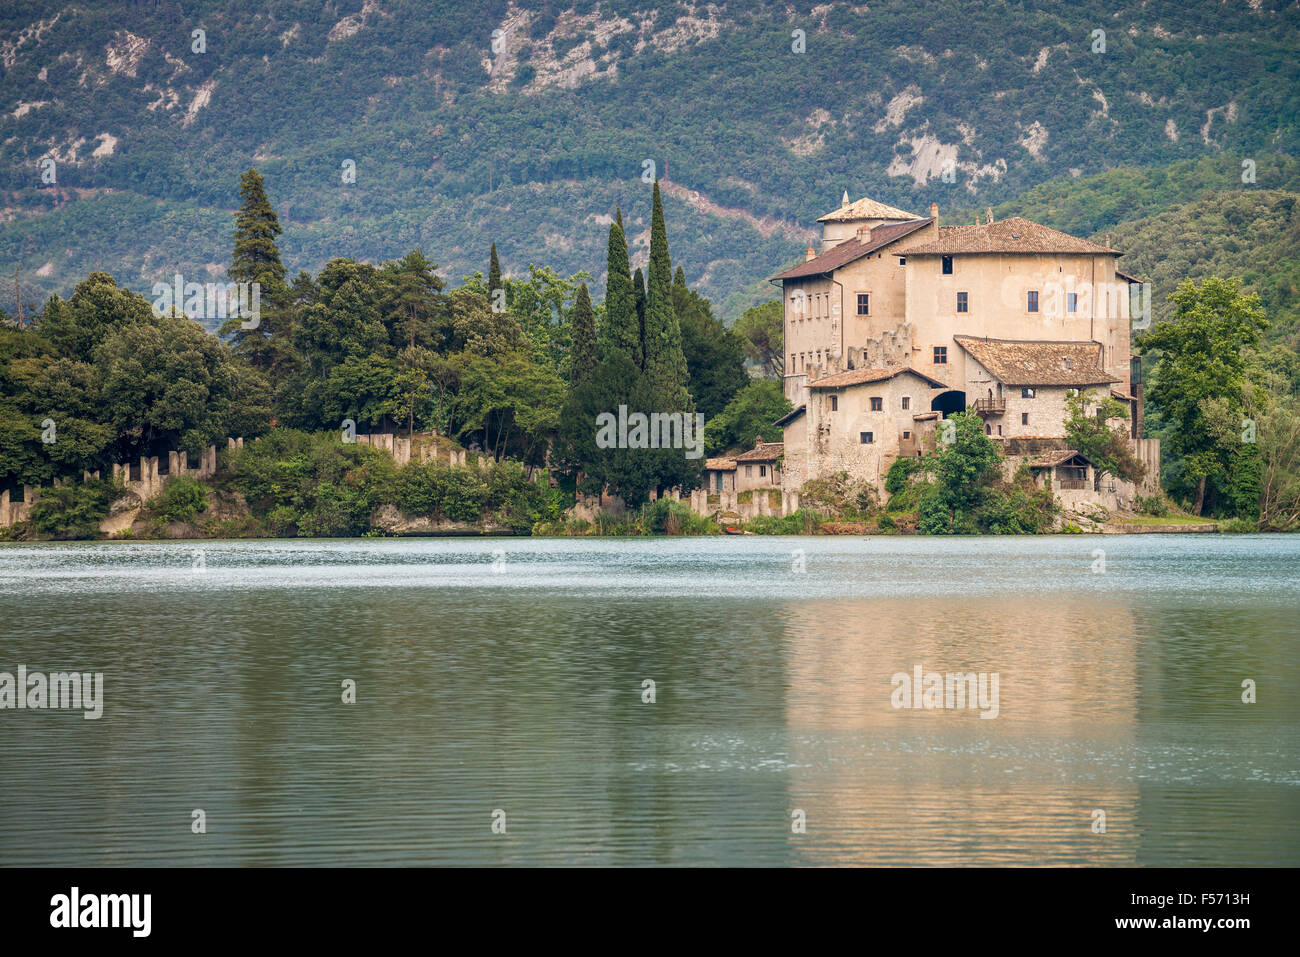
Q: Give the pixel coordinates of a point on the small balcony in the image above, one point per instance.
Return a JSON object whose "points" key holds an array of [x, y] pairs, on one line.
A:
{"points": [[989, 406]]}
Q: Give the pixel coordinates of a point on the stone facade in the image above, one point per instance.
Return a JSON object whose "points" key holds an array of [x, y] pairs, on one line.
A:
{"points": [[860, 427], [1004, 317]]}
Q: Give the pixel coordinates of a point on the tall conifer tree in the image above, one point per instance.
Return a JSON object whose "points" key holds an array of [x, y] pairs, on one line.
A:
{"points": [[582, 358], [638, 292], [665, 363], [494, 272], [620, 332], [256, 259]]}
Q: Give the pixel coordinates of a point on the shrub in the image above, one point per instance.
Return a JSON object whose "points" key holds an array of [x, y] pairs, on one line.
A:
{"points": [[668, 517], [803, 522], [899, 473], [74, 511], [1238, 526], [307, 484], [181, 499], [1156, 505]]}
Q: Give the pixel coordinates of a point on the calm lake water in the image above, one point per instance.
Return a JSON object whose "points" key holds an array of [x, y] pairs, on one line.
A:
{"points": [[507, 674]]}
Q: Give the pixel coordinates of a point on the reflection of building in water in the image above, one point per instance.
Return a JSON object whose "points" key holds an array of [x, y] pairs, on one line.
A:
{"points": [[899, 786]]}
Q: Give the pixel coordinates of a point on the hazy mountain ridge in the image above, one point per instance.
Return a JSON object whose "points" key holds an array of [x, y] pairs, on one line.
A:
{"points": [[576, 98]]}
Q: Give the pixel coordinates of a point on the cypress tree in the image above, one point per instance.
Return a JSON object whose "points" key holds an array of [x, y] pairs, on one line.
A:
{"points": [[620, 332], [665, 363], [638, 291], [582, 358], [494, 272], [666, 371]]}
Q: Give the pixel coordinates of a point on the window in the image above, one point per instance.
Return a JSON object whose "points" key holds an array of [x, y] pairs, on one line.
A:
{"points": [[864, 304], [988, 430], [719, 481], [947, 265], [999, 430], [877, 403], [963, 302], [1024, 418], [902, 260], [762, 471], [749, 470], [1033, 300], [866, 438], [835, 403], [1026, 393], [940, 355], [907, 402], [907, 435], [1071, 302]]}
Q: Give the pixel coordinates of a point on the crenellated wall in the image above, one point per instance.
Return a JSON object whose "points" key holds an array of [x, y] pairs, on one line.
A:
{"points": [[145, 480]]}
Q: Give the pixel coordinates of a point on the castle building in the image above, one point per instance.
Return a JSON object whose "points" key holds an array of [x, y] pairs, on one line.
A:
{"points": [[898, 321]]}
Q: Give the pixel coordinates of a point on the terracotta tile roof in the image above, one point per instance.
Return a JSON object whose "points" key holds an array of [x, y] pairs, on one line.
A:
{"points": [[1121, 395], [1127, 278], [852, 250], [1028, 362], [841, 380], [865, 208], [1014, 235], [720, 465], [763, 452]]}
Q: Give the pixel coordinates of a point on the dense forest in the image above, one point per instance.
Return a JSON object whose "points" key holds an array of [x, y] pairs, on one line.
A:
{"points": [[387, 125], [515, 370]]}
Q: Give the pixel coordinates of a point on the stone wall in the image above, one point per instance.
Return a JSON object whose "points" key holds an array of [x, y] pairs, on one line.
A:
{"points": [[404, 449], [144, 480], [760, 502]]}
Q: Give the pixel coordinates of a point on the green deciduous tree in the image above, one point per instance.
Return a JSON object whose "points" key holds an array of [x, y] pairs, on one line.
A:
{"points": [[1202, 358], [1088, 428]]}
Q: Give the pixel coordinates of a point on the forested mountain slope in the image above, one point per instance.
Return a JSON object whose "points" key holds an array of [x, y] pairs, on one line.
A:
{"points": [[527, 123]]}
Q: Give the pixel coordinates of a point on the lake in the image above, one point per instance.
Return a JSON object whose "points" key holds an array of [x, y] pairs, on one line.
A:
{"points": [[503, 713]]}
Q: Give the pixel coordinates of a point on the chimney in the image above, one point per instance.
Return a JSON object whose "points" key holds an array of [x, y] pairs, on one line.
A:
{"points": [[988, 215], [758, 441], [864, 234], [934, 213], [809, 254]]}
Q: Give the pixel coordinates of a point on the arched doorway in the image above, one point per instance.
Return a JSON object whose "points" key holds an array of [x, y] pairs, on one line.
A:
{"points": [[948, 402]]}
